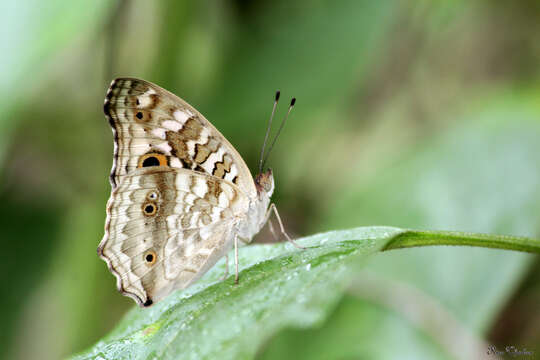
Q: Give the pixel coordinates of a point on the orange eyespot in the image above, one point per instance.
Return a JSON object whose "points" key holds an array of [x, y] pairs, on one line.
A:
{"points": [[152, 159], [149, 209], [150, 257]]}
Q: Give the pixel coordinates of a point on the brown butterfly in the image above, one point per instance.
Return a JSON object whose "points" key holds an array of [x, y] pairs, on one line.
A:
{"points": [[181, 195]]}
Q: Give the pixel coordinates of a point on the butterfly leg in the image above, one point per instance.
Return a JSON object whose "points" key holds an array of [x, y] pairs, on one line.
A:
{"points": [[271, 227], [273, 208], [226, 268], [236, 259]]}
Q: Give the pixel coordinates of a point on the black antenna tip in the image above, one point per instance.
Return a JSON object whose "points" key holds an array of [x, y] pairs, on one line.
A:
{"points": [[293, 101], [277, 95]]}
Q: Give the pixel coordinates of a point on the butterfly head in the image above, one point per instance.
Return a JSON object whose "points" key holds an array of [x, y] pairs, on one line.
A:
{"points": [[265, 183]]}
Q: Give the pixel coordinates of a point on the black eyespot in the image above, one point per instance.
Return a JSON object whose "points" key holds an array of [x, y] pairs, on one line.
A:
{"points": [[148, 303], [149, 209], [150, 161], [139, 115], [150, 257]]}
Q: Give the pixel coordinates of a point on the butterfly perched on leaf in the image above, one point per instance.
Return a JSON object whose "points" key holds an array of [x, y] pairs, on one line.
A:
{"points": [[182, 196]]}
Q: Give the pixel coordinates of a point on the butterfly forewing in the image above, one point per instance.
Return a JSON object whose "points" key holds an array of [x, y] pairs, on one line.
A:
{"points": [[155, 127]]}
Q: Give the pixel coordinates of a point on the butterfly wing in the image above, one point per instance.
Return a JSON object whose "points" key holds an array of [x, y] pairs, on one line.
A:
{"points": [[152, 126], [166, 227]]}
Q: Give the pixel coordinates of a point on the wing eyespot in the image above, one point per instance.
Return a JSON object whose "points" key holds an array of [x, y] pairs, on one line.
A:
{"points": [[142, 116], [152, 195], [150, 209], [152, 159], [150, 257]]}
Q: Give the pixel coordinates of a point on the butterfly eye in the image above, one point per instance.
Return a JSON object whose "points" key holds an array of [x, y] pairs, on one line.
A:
{"points": [[150, 257], [149, 209], [152, 195]]}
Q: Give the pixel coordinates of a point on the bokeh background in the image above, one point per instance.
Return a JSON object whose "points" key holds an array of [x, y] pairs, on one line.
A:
{"points": [[416, 114]]}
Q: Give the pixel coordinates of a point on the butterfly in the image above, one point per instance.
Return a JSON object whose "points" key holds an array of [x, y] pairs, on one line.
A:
{"points": [[181, 197]]}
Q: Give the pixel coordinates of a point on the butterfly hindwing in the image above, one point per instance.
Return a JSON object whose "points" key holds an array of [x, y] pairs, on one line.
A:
{"points": [[165, 227], [155, 127]]}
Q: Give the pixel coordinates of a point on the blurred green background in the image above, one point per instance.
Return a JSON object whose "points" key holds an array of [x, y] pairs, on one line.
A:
{"points": [[416, 114]]}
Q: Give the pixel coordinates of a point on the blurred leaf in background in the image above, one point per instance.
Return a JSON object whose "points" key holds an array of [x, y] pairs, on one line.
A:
{"points": [[412, 114]]}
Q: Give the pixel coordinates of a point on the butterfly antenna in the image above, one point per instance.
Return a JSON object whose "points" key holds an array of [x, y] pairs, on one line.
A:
{"points": [[261, 162], [293, 101]]}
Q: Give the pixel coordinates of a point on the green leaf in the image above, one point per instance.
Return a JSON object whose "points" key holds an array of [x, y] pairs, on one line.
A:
{"points": [[479, 175], [351, 329], [280, 286], [413, 238]]}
